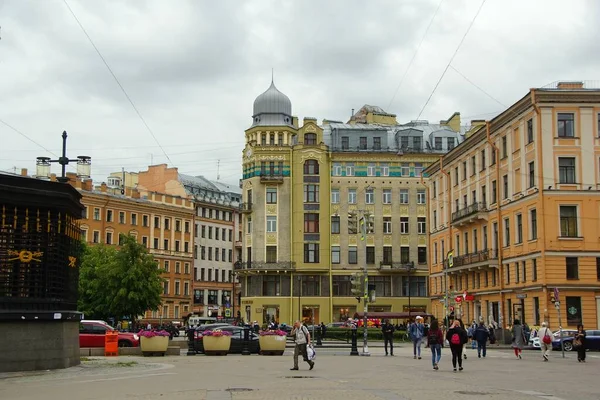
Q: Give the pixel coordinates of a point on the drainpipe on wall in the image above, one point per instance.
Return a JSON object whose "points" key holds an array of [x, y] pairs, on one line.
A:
{"points": [[331, 316], [450, 229], [499, 222], [292, 276]]}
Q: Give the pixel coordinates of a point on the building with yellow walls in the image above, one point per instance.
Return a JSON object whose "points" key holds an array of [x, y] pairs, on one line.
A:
{"points": [[304, 189], [518, 203]]}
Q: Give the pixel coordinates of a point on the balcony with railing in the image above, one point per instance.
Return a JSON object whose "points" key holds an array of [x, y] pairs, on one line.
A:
{"points": [[474, 259], [271, 178], [245, 207], [470, 214], [398, 266], [264, 266]]}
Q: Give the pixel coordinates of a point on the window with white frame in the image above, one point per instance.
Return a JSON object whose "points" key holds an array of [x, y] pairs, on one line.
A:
{"points": [[418, 169], [271, 223], [421, 196], [387, 225], [568, 221], [404, 225], [369, 196], [403, 196], [335, 196], [385, 170], [351, 196], [387, 196], [337, 169], [405, 169], [350, 169], [371, 169], [421, 226]]}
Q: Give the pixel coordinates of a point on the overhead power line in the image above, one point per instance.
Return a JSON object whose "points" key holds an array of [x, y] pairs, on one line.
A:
{"points": [[26, 137], [414, 55], [118, 82], [451, 59]]}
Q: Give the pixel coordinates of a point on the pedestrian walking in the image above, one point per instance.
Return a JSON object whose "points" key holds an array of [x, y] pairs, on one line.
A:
{"points": [[302, 340], [388, 336], [416, 331], [481, 337], [323, 330], [518, 338], [435, 341], [579, 343], [462, 325], [545, 336], [457, 337]]}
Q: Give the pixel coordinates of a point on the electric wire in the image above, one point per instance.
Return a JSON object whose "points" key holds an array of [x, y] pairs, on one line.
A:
{"points": [[451, 59], [118, 82]]}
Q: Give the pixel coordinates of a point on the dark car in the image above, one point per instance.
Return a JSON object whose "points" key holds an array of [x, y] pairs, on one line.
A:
{"points": [[237, 339], [592, 341]]}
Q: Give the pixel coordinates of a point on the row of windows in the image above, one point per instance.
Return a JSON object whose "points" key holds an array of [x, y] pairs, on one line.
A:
{"points": [[212, 296], [209, 213], [164, 313], [122, 219], [176, 288], [219, 254], [415, 286], [370, 194], [177, 266], [223, 234], [110, 236], [214, 275], [466, 281], [383, 169]]}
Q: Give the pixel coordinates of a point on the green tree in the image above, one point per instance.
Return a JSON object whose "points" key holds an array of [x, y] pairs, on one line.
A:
{"points": [[119, 282]]}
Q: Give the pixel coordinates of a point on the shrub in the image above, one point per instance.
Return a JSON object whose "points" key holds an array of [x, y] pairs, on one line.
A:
{"points": [[276, 332], [153, 333], [216, 333]]}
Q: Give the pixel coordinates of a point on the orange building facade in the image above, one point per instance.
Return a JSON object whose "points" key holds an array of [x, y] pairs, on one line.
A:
{"points": [[518, 206], [163, 223]]}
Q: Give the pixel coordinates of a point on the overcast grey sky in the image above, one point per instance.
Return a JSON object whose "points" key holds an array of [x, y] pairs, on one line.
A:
{"points": [[194, 68]]}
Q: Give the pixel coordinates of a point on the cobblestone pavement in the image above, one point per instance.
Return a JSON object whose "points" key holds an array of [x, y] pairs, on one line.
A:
{"points": [[336, 376]]}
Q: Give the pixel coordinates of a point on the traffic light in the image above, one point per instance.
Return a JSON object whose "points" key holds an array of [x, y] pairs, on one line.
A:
{"points": [[552, 298], [358, 289]]}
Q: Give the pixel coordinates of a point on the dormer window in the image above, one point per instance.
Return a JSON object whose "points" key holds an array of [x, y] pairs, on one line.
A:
{"points": [[114, 182], [438, 143], [450, 143], [310, 138]]}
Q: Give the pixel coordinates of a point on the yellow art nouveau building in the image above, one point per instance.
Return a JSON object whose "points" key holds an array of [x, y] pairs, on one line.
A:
{"points": [[518, 204], [304, 189]]}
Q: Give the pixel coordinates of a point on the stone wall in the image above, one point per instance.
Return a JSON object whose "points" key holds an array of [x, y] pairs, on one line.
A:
{"points": [[38, 345]]}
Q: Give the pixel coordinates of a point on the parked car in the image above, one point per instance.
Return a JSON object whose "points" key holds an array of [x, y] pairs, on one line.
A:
{"points": [[592, 341], [535, 342], [92, 334], [237, 339]]}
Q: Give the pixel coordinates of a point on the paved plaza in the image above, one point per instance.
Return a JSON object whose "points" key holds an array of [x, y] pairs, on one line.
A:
{"points": [[336, 376]]}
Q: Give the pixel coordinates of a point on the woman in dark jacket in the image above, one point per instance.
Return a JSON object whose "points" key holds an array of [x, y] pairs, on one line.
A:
{"points": [[457, 337], [580, 338]]}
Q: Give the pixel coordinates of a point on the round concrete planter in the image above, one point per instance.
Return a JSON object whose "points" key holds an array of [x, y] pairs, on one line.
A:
{"points": [[272, 345], [216, 345], [156, 345]]}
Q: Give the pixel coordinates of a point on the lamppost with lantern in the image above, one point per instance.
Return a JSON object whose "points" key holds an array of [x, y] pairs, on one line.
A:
{"points": [[84, 163]]}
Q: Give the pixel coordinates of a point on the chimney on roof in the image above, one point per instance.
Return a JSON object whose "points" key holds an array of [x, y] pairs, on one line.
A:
{"points": [[135, 194], [87, 185], [352, 115], [570, 85], [23, 171], [103, 187]]}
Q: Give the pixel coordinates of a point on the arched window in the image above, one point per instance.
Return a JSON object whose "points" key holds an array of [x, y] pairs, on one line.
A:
{"points": [[311, 167], [310, 138]]}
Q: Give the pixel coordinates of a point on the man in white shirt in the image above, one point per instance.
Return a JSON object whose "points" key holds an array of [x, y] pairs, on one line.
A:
{"points": [[302, 339], [545, 347]]}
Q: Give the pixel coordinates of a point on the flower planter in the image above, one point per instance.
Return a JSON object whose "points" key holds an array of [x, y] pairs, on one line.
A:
{"points": [[156, 345], [216, 345], [272, 345]]}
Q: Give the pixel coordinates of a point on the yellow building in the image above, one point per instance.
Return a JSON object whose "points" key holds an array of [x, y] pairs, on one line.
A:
{"points": [[518, 204], [304, 190]]}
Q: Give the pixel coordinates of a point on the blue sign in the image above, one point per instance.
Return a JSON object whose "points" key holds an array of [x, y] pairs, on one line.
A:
{"points": [[227, 305]]}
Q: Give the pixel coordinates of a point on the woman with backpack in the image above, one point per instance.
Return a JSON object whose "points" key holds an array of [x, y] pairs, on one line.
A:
{"points": [[435, 341], [545, 336], [457, 337]]}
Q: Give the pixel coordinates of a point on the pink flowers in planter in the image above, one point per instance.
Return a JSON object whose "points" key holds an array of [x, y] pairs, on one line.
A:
{"points": [[276, 332], [152, 333], [216, 333]]}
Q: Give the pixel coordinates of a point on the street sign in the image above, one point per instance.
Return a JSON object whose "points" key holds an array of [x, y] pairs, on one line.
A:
{"points": [[469, 297], [556, 293], [228, 313], [521, 295], [458, 299], [557, 305], [451, 308], [227, 305], [450, 259]]}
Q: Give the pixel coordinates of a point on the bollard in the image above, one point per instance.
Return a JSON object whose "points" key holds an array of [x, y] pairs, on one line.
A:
{"points": [[318, 334], [245, 351], [354, 350], [191, 344]]}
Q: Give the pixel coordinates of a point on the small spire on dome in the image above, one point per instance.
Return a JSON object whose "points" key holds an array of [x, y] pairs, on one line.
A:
{"points": [[272, 75]]}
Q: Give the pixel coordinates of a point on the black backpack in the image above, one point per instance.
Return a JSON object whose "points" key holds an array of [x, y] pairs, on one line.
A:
{"points": [[432, 338]]}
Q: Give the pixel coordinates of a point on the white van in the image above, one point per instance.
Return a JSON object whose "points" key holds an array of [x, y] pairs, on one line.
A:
{"points": [[196, 320]]}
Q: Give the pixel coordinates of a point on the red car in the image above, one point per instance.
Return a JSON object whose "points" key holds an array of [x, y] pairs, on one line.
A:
{"points": [[92, 334]]}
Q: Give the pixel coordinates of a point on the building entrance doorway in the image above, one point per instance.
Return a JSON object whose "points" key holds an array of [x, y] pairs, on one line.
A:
{"points": [[310, 315]]}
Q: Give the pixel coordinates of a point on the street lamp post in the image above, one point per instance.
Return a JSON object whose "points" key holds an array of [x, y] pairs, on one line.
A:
{"points": [[83, 163], [299, 298], [409, 267]]}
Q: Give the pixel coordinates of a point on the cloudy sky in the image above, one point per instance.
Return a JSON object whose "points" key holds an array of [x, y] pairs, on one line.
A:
{"points": [[194, 68]]}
